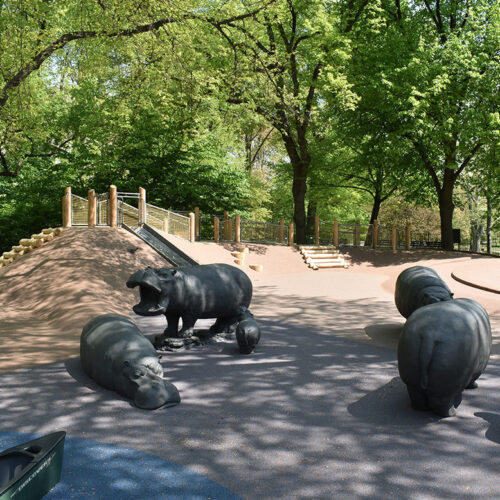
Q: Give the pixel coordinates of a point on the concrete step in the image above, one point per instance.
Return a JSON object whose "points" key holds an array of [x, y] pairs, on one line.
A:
{"points": [[325, 261], [319, 249], [345, 265], [322, 256]]}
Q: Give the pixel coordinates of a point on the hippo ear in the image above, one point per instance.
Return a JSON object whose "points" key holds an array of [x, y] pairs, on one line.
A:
{"points": [[174, 272], [126, 363]]}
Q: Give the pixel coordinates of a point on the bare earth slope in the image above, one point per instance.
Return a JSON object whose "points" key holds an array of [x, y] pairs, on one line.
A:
{"points": [[49, 294]]}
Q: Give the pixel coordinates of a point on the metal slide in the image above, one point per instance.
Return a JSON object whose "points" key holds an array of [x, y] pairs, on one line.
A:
{"points": [[164, 247]]}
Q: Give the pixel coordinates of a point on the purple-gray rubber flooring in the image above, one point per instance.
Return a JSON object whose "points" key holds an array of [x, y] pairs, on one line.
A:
{"points": [[309, 415]]}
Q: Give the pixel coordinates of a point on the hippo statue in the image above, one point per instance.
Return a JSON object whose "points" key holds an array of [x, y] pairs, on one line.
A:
{"points": [[191, 293], [418, 286], [115, 353], [247, 331], [443, 349]]}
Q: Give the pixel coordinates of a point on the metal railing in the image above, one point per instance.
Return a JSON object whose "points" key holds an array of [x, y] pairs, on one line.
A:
{"points": [[426, 239], [263, 232], [170, 222], [79, 211]]}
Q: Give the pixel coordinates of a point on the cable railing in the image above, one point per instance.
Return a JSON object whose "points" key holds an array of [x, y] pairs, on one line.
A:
{"points": [[79, 211], [170, 222], [265, 232], [225, 228]]}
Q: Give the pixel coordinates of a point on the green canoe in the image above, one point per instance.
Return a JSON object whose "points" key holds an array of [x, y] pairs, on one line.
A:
{"points": [[29, 470]]}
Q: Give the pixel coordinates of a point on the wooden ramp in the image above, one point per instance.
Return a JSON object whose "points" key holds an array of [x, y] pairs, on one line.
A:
{"points": [[323, 257]]}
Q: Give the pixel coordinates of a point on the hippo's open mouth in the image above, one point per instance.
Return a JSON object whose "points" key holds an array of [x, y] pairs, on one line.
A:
{"points": [[150, 291]]}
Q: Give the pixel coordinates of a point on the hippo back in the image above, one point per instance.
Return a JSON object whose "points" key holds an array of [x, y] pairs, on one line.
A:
{"points": [[444, 346], [418, 286], [213, 290], [107, 340]]}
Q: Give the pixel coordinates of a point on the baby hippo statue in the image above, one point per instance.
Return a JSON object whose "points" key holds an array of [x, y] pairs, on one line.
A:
{"points": [[443, 349], [117, 356], [190, 293], [247, 331], [418, 286]]}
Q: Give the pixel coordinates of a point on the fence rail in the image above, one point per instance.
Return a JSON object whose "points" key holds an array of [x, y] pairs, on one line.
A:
{"points": [[79, 210], [170, 222], [111, 209]]}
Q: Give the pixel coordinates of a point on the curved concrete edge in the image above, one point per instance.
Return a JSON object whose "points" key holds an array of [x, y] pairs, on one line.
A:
{"points": [[474, 285]]}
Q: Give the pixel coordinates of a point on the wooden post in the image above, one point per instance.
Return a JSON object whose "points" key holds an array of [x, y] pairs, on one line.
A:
{"points": [[316, 229], [197, 222], [66, 208], [113, 202], [92, 208], [394, 238], [408, 237], [216, 229], [191, 227], [282, 231], [142, 207], [290, 234], [357, 234], [335, 233], [375, 233], [237, 228], [165, 225], [229, 229], [224, 226]]}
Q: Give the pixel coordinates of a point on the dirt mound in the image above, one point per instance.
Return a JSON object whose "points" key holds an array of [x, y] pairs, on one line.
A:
{"points": [[49, 294]]}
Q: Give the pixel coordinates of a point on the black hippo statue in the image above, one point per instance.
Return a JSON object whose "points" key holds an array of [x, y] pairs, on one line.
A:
{"points": [[191, 293], [117, 356], [247, 331], [418, 286], [443, 349]]}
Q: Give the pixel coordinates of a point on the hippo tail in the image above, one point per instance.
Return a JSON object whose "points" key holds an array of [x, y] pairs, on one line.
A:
{"points": [[425, 357]]}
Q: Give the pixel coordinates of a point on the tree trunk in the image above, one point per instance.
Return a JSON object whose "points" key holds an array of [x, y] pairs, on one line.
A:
{"points": [[446, 208], [476, 233], [300, 164], [299, 189], [248, 152], [377, 202], [311, 214], [488, 224]]}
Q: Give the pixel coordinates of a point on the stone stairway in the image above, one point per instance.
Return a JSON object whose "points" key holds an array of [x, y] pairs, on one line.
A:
{"points": [[323, 257]]}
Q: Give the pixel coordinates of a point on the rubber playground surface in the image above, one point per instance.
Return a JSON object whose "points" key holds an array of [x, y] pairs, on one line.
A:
{"points": [[317, 411]]}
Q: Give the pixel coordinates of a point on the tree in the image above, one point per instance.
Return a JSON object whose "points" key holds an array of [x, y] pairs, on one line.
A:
{"points": [[281, 60], [437, 64], [39, 29]]}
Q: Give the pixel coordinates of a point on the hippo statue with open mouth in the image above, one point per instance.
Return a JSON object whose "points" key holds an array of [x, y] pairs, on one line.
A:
{"points": [[115, 353], [191, 293]]}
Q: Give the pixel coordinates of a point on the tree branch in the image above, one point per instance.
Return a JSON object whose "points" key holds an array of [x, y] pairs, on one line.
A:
{"points": [[37, 60], [467, 160]]}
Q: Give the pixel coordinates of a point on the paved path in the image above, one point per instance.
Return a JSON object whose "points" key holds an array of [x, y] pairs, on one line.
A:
{"points": [[318, 411]]}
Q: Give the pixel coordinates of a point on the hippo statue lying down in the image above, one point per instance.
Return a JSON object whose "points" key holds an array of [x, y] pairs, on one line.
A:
{"points": [[443, 349], [418, 286], [190, 293], [117, 356]]}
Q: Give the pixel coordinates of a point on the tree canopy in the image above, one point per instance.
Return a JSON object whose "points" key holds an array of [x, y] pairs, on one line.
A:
{"points": [[273, 108]]}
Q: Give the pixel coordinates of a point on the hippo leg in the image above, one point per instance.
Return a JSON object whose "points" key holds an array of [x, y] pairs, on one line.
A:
{"points": [[227, 324], [418, 399], [187, 326], [473, 383], [442, 406], [172, 325], [457, 400]]}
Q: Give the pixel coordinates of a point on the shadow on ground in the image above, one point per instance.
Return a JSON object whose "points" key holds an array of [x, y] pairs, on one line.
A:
{"points": [[309, 415]]}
